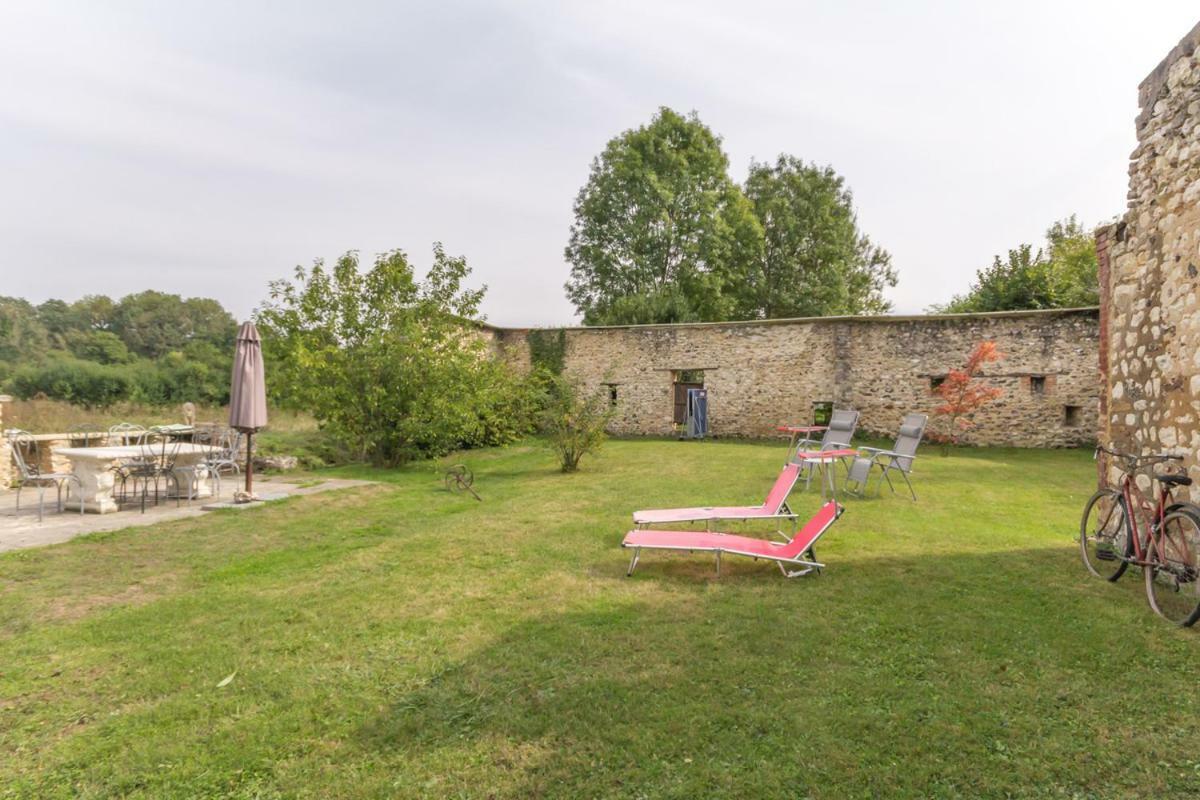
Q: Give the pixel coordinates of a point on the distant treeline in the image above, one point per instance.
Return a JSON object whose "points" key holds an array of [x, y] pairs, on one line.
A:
{"points": [[148, 347]]}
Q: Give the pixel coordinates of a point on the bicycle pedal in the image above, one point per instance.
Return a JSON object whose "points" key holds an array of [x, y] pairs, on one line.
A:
{"points": [[1106, 555]]}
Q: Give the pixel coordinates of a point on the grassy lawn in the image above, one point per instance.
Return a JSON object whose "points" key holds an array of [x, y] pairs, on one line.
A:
{"points": [[400, 641]]}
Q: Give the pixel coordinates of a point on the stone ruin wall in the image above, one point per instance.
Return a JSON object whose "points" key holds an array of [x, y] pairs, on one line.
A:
{"points": [[1150, 273], [763, 374]]}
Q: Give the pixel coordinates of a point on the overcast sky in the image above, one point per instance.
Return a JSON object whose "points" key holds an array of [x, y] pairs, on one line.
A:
{"points": [[207, 147]]}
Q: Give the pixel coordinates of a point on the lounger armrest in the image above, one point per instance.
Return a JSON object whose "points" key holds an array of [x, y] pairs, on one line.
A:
{"points": [[836, 446], [872, 449]]}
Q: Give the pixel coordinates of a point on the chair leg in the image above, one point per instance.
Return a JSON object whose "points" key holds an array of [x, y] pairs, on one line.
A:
{"points": [[41, 501], [637, 551], [904, 475], [718, 563]]}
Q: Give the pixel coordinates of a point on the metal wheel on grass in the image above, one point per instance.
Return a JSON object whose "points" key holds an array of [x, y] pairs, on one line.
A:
{"points": [[1173, 582], [1104, 540], [459, 478]]}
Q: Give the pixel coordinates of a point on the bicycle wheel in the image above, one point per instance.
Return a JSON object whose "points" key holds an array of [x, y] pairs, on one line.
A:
{"points": [[1104, 540], [1173, 579]]}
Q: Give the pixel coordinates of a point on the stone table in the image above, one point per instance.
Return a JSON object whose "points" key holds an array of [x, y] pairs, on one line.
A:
{"points": [[94, 467]]}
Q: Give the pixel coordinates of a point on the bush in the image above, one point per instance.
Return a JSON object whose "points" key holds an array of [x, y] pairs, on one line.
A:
{"points": [[82, 382], [574, 420], [389, 365]]}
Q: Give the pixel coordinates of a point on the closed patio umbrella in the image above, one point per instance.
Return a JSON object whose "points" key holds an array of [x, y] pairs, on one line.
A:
{"points": [[248, 392]]}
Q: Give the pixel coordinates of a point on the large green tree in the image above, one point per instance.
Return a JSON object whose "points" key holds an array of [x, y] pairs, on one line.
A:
{"points": [[660, 228], [1062, 274], [153, 324], [814, 261]]}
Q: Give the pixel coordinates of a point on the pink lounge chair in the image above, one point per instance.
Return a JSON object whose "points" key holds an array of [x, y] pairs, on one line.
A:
{"points": [[774, 507], [799, 550]]}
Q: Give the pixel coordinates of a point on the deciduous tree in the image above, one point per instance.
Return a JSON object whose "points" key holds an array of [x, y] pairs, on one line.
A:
{"points": [[963, 393], [815, 261], [660, 221]]}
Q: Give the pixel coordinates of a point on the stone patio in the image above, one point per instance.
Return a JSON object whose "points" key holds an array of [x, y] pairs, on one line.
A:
{"points": [[21, 530]]}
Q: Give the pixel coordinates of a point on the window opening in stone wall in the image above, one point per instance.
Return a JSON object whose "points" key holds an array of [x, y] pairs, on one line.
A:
{"points": [[1071, 416], [822, 412], [612, 394], [685, 379], [1037, 384], [935, 383]]}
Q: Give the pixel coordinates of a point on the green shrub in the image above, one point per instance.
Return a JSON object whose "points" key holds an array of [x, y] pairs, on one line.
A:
{"points": [[65, 378], [573, 420]]}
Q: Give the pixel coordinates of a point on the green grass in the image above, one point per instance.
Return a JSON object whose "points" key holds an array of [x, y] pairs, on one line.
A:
{"points": [[401, 641]]}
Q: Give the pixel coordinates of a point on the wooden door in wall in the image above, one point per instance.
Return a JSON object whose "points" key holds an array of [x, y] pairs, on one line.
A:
{"points": [[681, 396]]}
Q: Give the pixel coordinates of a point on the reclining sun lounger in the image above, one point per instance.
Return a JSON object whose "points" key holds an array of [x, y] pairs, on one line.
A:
{"points": [[798, 551], [774, 507]]}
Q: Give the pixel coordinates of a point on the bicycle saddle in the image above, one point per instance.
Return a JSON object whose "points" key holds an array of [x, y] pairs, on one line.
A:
{"points": [[1175, 480]]}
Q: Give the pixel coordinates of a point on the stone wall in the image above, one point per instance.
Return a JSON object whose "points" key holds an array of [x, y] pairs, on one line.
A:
{"points": [[1150, 272], [763, 374]]}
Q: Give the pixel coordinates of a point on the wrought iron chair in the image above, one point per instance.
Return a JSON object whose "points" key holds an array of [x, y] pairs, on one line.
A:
{"points": [[85, 435], [126, 433], [156, 468], [30, 473]]}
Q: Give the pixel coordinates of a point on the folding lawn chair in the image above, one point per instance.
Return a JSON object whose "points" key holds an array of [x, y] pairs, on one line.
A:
{"points": [[899, 459], [842, 424], [774, 507], [797, 551]]}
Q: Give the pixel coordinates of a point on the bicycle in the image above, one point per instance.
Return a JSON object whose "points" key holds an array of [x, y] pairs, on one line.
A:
{"points": [[1167, 547]]}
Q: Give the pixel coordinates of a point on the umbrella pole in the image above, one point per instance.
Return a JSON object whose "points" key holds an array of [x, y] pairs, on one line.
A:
{"points": [[249, 462]]}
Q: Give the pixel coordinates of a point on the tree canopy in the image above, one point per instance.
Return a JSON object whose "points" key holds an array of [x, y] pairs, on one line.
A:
{"points": [[1062, 274], [659, 219], [148, 346], [814, 261], [662, 233]]}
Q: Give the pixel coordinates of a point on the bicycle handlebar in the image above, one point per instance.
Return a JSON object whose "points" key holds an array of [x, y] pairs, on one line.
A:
{"points": [[1133, 460]]}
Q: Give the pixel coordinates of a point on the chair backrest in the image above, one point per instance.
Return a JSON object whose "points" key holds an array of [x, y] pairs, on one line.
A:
{"points": [[22, 441], [912, 429], [165, 448], [842, 424], [85, 434], [782, 488], [812, 530], [124, 433]]}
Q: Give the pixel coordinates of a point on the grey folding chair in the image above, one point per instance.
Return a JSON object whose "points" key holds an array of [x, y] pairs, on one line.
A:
{"points": [[842, 424], [898, 460]]}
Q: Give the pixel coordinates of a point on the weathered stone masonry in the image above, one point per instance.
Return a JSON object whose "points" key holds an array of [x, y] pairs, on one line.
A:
{"points": [[1150, 273], [762, 374]]}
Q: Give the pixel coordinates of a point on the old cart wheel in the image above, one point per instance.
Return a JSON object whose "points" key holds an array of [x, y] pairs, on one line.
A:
{"points": [[459, 477]]}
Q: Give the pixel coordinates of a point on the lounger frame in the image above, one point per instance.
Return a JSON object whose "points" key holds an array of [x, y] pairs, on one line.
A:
{"points": [[807, 558]]}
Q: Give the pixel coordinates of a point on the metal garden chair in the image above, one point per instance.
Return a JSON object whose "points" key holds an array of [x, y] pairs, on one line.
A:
{"points": [[30, 473], [898, 460], [842, 425]]}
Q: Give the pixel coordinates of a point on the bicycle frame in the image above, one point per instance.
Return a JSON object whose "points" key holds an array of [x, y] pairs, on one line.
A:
{"points": [[1131, 493]]}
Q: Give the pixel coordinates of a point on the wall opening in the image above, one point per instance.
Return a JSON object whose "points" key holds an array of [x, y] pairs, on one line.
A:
{"points": [[935, 383], [1037, 384], [1071, 416], [685, 379], [612, 394], [822, 412]]}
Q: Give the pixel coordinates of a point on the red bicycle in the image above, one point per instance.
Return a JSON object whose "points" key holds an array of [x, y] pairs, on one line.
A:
{"points": [[1121, 526]]}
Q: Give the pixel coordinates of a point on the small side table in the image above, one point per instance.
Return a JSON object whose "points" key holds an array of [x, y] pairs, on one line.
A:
{"points": [[825, 461]]}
